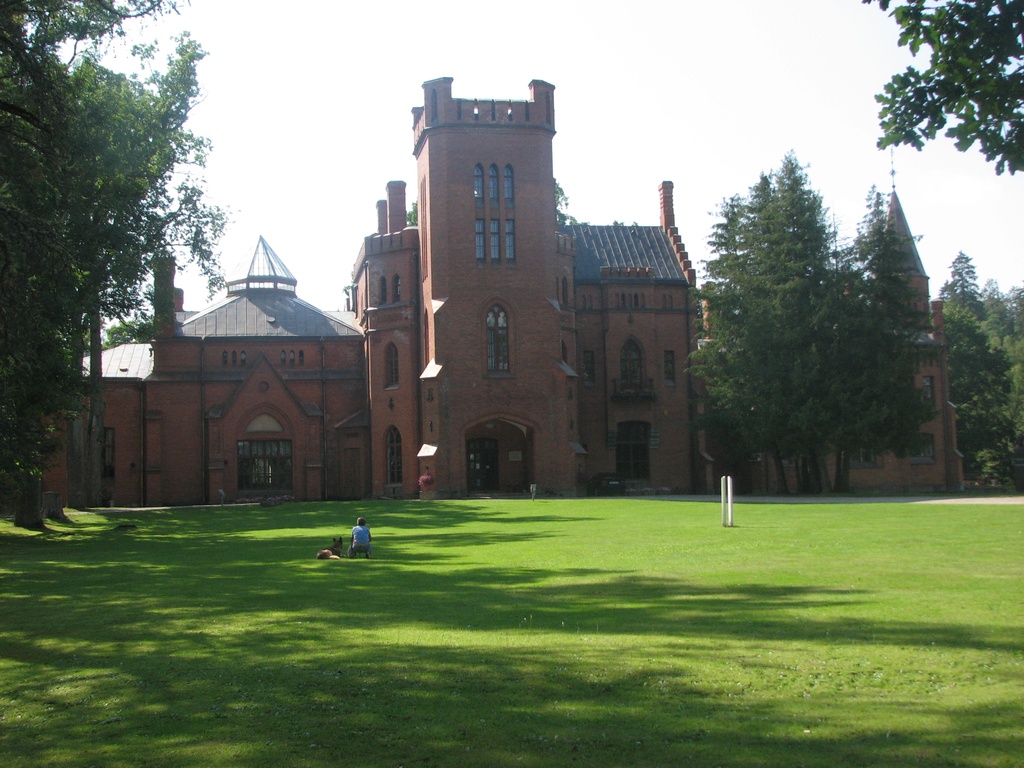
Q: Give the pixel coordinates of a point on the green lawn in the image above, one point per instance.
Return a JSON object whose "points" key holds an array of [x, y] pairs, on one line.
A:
{"points": [[516, 633]]}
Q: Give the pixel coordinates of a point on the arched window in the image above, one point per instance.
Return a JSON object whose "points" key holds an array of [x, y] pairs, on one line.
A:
{"points": [[492, 179], [478, 182], [284, 357], [565, 292], [242, 357], [396, 288], [224, 357], [391, 366], [510, 188], [383, 297], [393, 456], [497, 339], [565, 353], [631, 366], [302, 357]]}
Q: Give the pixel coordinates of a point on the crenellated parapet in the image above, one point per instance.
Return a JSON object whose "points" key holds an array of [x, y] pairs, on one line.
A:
{"points": [[627, 273], [441, 109]]}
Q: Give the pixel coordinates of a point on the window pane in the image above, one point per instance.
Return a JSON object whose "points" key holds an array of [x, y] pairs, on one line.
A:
{"points": [[510, 240]]}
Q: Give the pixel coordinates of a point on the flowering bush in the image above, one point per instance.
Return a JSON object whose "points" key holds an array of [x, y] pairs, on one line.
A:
{"points": [[426, 481]]}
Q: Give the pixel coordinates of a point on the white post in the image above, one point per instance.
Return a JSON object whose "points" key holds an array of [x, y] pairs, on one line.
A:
{"points": [[730, 501], [725, 508]]}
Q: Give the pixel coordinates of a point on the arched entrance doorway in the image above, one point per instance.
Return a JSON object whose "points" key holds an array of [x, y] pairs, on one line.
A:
{"points": [[499, 457]]}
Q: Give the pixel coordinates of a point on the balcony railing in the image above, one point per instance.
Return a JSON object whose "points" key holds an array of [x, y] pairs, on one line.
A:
{"points": [[633, 391]]}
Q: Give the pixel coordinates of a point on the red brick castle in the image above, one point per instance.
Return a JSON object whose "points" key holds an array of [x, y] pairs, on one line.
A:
{"points": [[486, 350]]}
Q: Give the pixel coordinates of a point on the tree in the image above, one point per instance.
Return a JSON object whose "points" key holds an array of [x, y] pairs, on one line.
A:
{"points": [[562, 215], [962, 286], [96, 191], [875, 347], [812, 347], [975, 77], [772, 248], [979, 385]]}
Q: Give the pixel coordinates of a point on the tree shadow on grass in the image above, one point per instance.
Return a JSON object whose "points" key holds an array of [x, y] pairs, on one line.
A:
{"points": [[194, 641]]}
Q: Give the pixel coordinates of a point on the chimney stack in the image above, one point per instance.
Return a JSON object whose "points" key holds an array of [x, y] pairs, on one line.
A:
{"points": [[668, 212], [396, 206], [382, 217]]}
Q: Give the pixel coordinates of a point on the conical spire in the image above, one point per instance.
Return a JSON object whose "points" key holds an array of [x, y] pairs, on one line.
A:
{"points": [[898, 221], [264, 271]]}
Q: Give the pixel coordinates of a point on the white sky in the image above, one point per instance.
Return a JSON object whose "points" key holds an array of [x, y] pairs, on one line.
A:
{"points": [[309, 110]]}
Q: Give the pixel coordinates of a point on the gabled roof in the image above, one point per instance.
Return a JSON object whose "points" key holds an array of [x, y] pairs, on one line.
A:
{"points": [[898, 221], [622, 246]]}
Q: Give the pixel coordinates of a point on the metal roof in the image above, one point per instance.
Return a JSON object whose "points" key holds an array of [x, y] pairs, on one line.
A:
{"points": [[264, 270], [624, 246], [261, 302], [266, 313], [126, 361]]}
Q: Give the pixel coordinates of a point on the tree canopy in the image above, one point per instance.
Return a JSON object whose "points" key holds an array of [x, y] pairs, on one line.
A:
{"points": [[811, 347], [974, 78], [97, 186]]}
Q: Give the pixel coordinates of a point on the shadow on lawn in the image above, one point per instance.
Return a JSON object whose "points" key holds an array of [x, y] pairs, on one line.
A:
{"points": [[209, 634]]}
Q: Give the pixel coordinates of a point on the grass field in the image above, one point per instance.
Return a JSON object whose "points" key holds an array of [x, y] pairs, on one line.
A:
{"points": [[517, 633]]}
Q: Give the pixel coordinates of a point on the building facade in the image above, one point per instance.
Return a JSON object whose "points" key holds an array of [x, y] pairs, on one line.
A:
{"points": [[486, 351]]}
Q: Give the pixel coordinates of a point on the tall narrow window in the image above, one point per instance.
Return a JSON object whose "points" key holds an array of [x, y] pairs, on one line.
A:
{"points": [[393, 456], [478, 183], [497, 339], [382, 296], [510, 241], [396, 289], [510, 189], [928, 388], [391, 366], [492, 185], [670, 366], [565, 292], [631, 368], [495, 241], [589, 367], [480, 255]]}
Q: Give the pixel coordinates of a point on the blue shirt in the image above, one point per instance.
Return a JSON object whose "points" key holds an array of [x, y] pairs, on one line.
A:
{"points": [[361, 534]]}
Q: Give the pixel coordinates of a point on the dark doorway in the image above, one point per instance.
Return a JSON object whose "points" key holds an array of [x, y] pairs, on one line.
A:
{"points": [[482, 465]]}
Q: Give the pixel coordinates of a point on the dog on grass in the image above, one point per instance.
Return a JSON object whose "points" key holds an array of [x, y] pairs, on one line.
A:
{"points": [[333, 552]]}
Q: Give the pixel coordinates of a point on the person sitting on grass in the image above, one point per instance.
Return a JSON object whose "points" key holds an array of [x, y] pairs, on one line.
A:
{"points": [[360, 539]]}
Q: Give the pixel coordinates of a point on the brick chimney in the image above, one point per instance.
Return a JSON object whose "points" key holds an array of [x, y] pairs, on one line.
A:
{"points": [[163, 297], [382, 217], [396, 206], [668, 212]]}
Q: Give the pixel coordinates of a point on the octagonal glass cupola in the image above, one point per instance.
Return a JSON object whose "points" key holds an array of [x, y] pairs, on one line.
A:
{"points": [[263, 272]]}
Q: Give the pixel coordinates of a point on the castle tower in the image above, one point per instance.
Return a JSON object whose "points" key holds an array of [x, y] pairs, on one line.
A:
{"points": [[498, 390]]}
